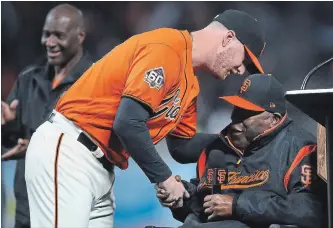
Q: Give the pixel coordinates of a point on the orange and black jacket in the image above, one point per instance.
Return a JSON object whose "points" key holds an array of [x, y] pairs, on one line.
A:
{"points": [[273, 181]]}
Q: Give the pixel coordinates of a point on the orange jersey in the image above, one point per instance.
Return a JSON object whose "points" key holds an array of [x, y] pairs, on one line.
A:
{"points": [[153, 68]]}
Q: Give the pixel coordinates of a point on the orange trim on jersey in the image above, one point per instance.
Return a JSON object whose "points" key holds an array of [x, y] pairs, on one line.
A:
{"points": [[56, 182], [56, 82], [202, 163], [254, 59], [233, 146], [273, 128], [239, 186], [58, 79], [242, 103], [303, 152]]}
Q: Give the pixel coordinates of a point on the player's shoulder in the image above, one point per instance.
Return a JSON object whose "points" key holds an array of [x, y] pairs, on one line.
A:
{"points": [[168, 38], [300, 141], [299, 135]]}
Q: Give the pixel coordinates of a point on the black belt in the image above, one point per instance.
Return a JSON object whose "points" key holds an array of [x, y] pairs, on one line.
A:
{"points": [[90, 145]]}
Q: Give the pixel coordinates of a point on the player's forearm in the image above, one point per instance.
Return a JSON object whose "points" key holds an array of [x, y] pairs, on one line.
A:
{"points": [[131, 128], [188, 150]]}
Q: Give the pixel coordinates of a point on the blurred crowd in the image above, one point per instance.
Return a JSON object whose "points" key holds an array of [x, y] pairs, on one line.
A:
{"points": [[299, 36]]}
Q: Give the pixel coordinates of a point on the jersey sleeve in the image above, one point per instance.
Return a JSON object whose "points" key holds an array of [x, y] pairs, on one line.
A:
{"points": [[187, 126], [154, 71]]}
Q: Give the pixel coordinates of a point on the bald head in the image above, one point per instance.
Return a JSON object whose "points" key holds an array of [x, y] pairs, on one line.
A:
{"points": [[217, 26], [67, 12], [217, 49], [63, 34]]}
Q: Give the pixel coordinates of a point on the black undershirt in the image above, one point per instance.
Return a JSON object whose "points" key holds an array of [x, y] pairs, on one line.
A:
{"points": [[131, 128]]}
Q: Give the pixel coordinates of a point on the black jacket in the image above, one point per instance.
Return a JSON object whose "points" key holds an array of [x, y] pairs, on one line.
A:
{"points": [[33, 89], [273, 181]]}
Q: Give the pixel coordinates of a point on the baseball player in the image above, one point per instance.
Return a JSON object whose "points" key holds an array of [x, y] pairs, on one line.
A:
{"points": [[140, 92]]}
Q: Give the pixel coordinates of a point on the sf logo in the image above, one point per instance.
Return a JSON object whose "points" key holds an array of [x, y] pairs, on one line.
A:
{"points": [[221, 176], [306, 175], [245, 86], [210, 176]]}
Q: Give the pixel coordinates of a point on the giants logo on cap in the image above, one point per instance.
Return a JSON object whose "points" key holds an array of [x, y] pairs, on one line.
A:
{"points": [[245, 86]]}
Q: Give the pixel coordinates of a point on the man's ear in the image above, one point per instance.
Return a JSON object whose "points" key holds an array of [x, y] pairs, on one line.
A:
{"points": [[82, 36], [228, 37], [276, 118]]}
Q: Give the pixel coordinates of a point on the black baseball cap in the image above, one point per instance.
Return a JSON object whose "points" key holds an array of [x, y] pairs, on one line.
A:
{"points": [[260, 92], [249, 33]]}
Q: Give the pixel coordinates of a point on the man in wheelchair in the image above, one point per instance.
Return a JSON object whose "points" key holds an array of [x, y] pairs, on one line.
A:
{"points": [[260, 171]]}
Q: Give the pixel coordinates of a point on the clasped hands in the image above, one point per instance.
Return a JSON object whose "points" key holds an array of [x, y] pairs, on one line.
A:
{"points": [[173, 193]]}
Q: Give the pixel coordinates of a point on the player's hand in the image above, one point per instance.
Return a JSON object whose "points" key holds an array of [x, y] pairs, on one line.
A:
{"points": [[174, 192], [8, 112], [16, 152], [218, 205], [163, 196]]}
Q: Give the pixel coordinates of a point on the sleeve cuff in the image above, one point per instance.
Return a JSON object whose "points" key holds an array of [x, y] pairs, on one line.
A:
{"points": [[161, 178]]}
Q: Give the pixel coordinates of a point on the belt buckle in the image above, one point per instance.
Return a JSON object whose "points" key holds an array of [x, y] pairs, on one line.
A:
{"points": [[51, 116], [98, 153]]}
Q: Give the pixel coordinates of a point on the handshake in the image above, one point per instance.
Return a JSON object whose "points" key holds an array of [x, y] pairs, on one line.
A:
{"points": [[214, 204], [172, 192]]}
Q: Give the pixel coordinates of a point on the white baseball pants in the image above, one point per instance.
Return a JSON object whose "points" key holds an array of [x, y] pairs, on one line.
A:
{"points": [[67, 185]]}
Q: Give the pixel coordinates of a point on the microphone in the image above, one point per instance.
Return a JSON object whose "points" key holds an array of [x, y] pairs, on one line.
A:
{"points": [[217, 161], [215, 176], [307, 77]]}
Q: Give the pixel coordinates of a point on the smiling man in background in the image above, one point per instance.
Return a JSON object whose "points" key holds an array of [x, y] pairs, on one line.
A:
{"points": [[37, 89]]}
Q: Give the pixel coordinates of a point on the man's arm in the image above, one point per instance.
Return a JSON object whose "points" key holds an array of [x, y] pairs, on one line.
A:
{"points": [[184, 144], [188, 150], [11, 130], [302, 207], [131, 128]]}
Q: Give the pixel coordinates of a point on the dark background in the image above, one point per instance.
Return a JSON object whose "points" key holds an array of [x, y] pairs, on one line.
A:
{"points": [[299, 36]]}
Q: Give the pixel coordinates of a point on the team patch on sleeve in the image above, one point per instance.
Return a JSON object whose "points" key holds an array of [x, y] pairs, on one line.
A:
{"points": [[155, 78]]}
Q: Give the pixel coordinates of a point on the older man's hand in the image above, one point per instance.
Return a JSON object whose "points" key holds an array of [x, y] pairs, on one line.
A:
{"points": [[218, 205], [167, 199], [163, 197]]}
